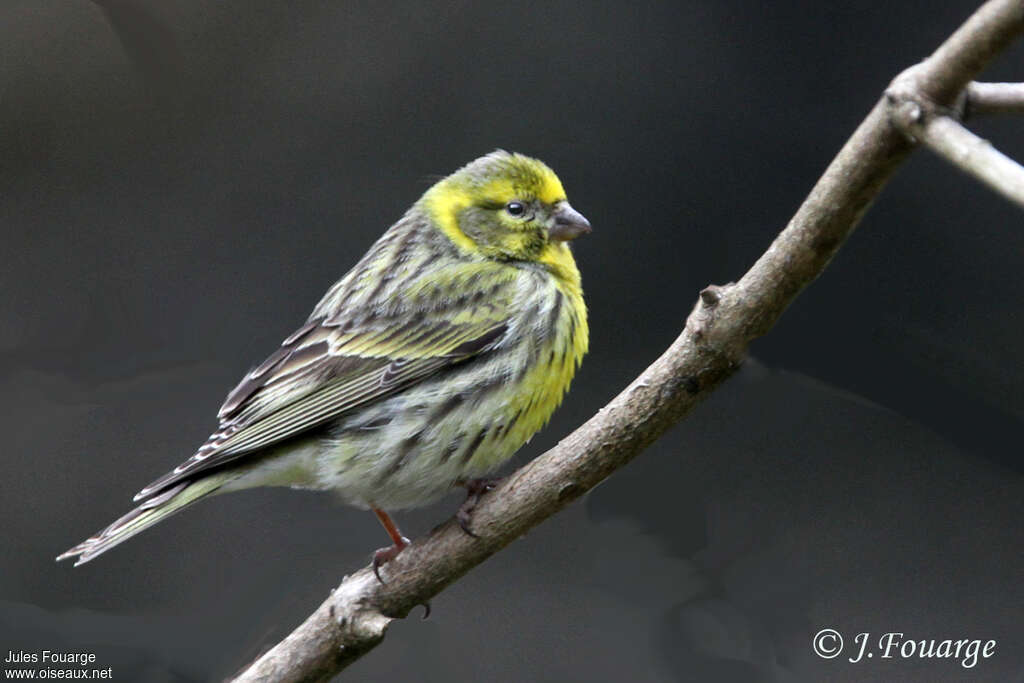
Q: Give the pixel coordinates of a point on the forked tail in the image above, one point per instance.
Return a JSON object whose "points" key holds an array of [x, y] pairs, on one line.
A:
{"points": [[155, 509]]}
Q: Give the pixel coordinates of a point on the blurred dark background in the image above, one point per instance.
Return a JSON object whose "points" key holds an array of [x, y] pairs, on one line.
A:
{"points": [[180, 181]]}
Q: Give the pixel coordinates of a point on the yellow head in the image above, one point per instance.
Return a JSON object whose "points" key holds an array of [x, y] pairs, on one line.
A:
{"points": [[506, 206]]}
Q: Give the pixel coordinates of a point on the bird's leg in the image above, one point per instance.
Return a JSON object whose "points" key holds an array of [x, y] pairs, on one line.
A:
{"points": [[399, 542], [474, 489]]}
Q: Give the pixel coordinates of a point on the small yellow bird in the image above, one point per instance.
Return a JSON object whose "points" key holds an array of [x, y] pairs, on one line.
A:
{"points": [[428, 365]]}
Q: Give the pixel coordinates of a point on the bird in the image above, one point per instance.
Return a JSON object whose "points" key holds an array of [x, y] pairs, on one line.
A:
{"points": [[422, 370]]}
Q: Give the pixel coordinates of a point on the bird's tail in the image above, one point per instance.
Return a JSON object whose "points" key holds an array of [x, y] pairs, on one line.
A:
{"points": [[155, 509]]}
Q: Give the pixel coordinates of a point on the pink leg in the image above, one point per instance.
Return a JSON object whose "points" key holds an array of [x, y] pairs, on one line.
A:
{"points": [[399, 542]]}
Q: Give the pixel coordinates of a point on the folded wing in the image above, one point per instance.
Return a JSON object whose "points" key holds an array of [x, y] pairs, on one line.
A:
{"points": [[332, 365]]}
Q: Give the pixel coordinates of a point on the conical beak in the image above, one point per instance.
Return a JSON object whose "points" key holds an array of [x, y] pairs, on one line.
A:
{"points": [[569, 224]]}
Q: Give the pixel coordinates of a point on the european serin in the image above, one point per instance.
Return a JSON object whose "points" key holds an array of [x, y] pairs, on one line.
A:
{"points": [[428, 365]]}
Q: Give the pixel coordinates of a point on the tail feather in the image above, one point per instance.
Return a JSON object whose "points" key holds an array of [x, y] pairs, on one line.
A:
{"points": [[157, 508]]}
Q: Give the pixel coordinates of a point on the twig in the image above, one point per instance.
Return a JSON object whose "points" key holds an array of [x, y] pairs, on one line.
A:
{"points": [[962, 148], [994, 98], [964, 54], [709, 349]]}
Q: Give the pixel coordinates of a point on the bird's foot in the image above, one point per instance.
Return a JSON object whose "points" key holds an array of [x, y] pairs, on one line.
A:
{"points": [[387, 554], [398, 542], [475, 488]]}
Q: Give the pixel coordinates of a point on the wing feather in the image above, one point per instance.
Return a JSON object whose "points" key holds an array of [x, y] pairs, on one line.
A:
{"points": [[335, 364]]}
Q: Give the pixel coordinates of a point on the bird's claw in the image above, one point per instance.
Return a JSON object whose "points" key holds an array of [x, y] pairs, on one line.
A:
{"points": [[462, 517], [386, 555], [475, 488]]}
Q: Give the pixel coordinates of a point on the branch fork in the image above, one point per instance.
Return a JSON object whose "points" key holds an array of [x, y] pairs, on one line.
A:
{"points": [[925, 121]]}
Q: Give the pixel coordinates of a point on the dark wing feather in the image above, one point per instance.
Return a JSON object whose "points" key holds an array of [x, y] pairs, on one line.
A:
{"points": [[258, 377]]}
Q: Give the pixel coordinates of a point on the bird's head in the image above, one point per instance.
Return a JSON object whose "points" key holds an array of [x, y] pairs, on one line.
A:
{"points": [[506, 206]]}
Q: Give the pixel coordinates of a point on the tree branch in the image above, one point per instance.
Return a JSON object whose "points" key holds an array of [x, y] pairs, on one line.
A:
{"points": [[710, 348], [994, 98]]}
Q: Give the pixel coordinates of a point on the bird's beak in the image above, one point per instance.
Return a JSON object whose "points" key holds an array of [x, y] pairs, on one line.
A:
{"points": [[569, 224]]}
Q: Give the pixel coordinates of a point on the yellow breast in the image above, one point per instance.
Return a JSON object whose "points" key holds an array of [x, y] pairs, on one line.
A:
{"points": [[543, 386]]}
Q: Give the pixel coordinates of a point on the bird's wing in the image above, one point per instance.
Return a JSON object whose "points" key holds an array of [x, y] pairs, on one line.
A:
{"points": [[334, 364]]}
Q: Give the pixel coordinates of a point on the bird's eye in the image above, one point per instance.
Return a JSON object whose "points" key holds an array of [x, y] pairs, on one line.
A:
{"points": [[515, 208]]}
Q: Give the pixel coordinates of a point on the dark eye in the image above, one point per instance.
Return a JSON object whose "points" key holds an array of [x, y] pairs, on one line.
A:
{"points": [[515, 208]]}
